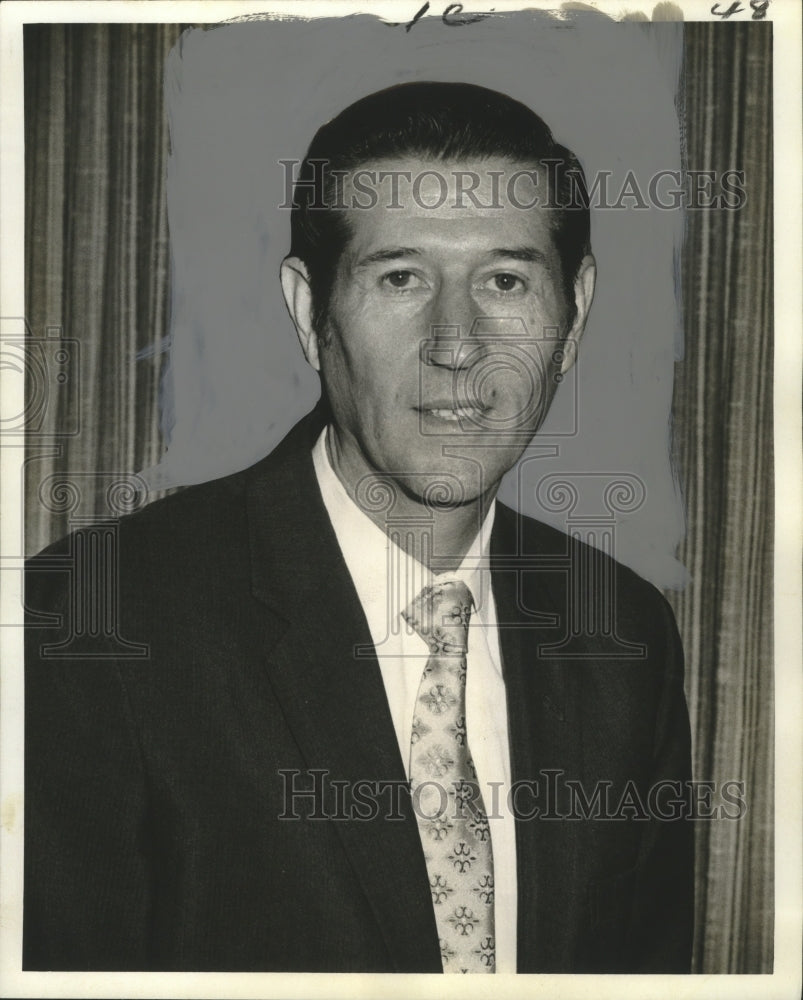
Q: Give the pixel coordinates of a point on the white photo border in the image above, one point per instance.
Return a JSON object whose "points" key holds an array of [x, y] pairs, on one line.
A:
{"points": [[788, 268]]}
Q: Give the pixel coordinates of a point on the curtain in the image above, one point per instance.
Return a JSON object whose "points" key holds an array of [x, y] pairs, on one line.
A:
{"points": [[724, 453], [98, 278], [96, 262]]}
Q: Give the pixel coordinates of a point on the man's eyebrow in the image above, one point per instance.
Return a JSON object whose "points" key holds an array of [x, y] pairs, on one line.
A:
{"points": [[529, 254], [391, 253]]}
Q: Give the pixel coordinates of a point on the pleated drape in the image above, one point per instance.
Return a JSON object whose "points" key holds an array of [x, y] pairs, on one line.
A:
{"points": [[97, 266], [97, 257], [723, 429]]}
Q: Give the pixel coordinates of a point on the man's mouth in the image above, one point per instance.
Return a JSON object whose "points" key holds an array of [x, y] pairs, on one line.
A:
{"points": [[453, 412], [456, 414]]}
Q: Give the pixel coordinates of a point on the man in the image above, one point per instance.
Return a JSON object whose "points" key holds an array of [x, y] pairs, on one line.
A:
{"points": [[376, 729]]}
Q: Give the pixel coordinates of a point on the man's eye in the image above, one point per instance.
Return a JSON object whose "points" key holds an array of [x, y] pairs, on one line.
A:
{"points": [[400, 279], [505, 282]]}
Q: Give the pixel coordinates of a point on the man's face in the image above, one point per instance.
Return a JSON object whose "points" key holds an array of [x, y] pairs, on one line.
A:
{"points": [[445, 329]]}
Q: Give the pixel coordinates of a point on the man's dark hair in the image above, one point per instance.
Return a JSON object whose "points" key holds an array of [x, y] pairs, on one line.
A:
{"points": [[437, 121]]}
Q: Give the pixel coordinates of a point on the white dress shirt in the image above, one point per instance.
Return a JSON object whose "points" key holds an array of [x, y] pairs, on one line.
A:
{"points": [[387, 580]]}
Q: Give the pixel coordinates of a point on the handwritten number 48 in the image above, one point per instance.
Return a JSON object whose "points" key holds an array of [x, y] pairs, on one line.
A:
{"points": [[759, 8]]}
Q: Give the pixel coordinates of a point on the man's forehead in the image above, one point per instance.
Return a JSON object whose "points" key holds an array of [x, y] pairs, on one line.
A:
{"points": [[446, 189], [452, 207]]}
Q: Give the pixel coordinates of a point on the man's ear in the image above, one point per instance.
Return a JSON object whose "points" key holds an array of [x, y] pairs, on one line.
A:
{"points": [[583, 296], [298, 297]]}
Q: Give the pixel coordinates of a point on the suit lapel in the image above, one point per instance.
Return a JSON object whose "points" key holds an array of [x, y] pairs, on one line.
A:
{"points": [[334, 702], [544, 735]]}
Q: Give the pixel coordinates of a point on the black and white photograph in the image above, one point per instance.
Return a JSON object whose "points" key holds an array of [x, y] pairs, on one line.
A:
{"points": [[401, 499]]}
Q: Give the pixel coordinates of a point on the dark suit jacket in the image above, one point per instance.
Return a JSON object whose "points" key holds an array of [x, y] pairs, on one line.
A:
{"points": [[159, 834]]}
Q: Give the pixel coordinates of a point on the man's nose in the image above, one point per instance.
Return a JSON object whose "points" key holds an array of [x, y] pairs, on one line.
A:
{"points": [[452, 321]]}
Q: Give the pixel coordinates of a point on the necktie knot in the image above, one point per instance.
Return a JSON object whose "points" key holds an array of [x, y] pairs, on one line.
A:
{"points": [[440, 615]]}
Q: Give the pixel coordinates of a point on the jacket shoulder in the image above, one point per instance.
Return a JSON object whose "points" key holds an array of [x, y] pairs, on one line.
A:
{"points": [[208, 509], [531, 537], [581, 579]]}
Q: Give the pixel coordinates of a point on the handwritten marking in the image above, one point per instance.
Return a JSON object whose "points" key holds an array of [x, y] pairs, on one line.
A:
{"points": [[733, 9], [759, 8], [452, 17]]}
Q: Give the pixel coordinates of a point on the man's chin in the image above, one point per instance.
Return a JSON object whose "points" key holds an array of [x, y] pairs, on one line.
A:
{"points": [[452, 484]]}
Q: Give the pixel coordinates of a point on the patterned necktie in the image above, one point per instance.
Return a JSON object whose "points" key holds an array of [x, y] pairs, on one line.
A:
{"points": [[448, 804]]}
